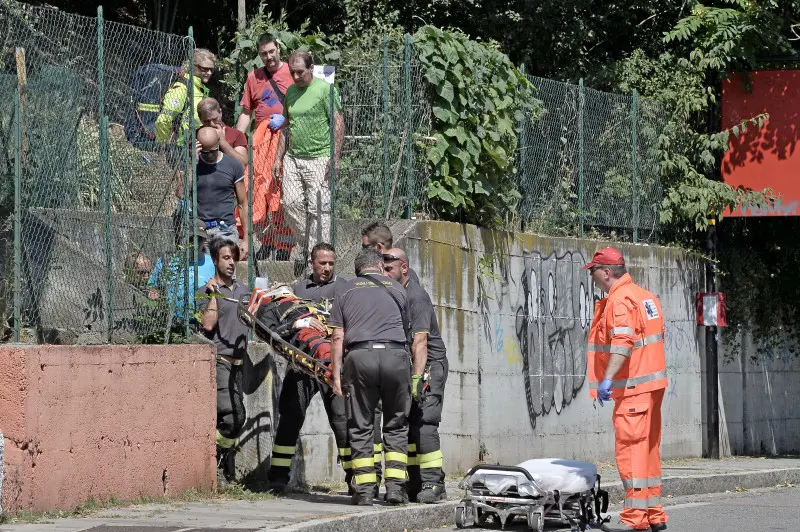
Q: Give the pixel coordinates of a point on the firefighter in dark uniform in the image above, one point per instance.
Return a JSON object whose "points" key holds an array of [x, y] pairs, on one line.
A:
{"points": [[369, 316], [220, 323], [298, 388], [429, 359], [378, 236]]}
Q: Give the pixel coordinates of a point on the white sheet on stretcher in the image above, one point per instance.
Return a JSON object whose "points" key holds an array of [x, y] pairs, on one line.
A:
{"points": [[549, 474]]}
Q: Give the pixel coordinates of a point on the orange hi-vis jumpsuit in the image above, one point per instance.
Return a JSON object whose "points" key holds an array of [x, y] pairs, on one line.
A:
{"points": [[629, 322], [267, 193]]}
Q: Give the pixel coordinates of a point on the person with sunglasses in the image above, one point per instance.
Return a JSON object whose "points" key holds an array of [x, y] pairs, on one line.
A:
{"points": [[220, 178], [175, 107], [378, 236], [428, 378]]}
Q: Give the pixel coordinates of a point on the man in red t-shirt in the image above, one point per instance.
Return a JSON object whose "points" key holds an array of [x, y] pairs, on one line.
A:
{"points": [[260, 93], [264, 91]]}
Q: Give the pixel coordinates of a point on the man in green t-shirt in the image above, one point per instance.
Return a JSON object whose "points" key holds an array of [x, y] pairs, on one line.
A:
{"points": [[303, 161]]}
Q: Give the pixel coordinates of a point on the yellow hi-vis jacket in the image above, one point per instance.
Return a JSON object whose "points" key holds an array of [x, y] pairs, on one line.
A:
{"points": [[173, 107]]}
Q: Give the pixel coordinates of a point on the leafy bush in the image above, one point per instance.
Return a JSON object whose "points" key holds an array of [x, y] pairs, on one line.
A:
{"points": [[478, 100]]}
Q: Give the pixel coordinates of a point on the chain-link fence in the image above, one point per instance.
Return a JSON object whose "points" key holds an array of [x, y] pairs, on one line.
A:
{"points": [[590, 162], [373, 123], [98, 203], [95, 256]]}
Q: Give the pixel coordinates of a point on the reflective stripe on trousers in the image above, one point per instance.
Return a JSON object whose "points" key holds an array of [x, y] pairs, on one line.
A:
{"points": [[282, 455]]}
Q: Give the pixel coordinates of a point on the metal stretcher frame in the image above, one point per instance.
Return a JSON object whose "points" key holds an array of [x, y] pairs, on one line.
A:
{"points": [[298, 359], [475, 507]]}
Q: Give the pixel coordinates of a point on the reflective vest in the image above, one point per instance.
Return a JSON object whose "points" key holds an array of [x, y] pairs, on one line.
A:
{"points": [[174, 115], [629, 322]]}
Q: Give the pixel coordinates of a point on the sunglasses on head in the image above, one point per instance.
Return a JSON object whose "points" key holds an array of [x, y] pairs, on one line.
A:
{"points": [[392, 258]]}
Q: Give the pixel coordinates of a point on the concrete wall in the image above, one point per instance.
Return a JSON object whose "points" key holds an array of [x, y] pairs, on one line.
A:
{"points": [[515, 312], [759, 394], [102, 421]]}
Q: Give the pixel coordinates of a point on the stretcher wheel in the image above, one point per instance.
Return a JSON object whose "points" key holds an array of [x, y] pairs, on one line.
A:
{"points": [[460, 517], [536, 521]]}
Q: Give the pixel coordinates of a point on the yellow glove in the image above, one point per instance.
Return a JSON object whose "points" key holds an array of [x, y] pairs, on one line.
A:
{"points": [[415, 380]]}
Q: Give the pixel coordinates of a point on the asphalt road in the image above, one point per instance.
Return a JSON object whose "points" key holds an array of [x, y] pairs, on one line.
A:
{"points": [[750, 511]]}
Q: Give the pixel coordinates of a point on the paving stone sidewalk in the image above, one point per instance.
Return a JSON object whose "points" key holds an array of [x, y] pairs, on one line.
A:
{"points": [[318, 512]]}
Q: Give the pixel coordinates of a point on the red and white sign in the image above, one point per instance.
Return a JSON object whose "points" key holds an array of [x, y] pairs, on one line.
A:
{"points": [[711, 309]]}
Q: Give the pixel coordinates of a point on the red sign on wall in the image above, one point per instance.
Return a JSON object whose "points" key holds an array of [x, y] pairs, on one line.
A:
{"points": [[766, 157]]}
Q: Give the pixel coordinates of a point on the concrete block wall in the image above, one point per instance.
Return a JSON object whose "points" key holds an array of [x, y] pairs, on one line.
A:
{"points": [[83, 422], [515, 312], [759, 394]]}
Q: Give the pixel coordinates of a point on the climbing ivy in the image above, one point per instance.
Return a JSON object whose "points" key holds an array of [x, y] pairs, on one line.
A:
{"points": [[479, 100]]}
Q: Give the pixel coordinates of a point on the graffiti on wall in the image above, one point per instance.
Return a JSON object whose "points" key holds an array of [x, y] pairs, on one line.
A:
{"points": [[552, 328], [549, 301]]}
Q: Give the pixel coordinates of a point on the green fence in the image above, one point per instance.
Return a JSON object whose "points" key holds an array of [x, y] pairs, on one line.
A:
{"points": [[98, 247], [590, 162]]}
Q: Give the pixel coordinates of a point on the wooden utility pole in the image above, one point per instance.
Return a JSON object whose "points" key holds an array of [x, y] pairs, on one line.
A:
{"points": [[242, 15]]}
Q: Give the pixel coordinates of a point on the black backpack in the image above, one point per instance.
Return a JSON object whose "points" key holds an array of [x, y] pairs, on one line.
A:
{"points": [[149, 84]]}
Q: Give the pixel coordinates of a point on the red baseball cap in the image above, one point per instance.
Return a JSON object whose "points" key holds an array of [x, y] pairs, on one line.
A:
{"points": [[606, 257]]}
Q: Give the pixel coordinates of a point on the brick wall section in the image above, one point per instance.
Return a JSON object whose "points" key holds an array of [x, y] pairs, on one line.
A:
{"points": [[85, 422]]}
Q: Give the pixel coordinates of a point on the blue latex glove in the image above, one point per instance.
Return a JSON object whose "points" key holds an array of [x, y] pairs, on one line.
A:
{"points": [[604, 391], [276, 121]]}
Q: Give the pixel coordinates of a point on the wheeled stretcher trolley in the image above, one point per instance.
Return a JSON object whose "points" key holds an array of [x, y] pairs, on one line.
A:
{"points": [[548, 488]]}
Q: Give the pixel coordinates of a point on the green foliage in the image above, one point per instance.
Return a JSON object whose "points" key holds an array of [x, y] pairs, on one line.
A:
{"points": [[478, 99], [723, 38], [689, 156], [243, 57]]}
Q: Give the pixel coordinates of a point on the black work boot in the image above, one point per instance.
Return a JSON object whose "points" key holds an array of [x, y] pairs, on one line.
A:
{"points": [[431, 493], [657, 527], [396, 496], [226, 466], [360, 500], [277, 484]]}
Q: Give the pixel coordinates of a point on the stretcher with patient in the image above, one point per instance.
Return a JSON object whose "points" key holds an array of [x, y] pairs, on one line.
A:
{"points": [[536, 490]]}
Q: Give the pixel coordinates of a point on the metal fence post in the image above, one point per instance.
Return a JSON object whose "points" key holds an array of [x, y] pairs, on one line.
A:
{"points": [[189, 164], [385, 125], [101, 97], [523, 164], [17, 210], [192, 132], [105, 185], [634, 165], [251, 273], [332, 183], [409, 155], [581, 107]]}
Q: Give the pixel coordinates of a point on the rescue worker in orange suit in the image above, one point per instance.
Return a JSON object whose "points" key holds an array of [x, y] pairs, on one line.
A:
{"points": [[263, 97], [626, 364]]}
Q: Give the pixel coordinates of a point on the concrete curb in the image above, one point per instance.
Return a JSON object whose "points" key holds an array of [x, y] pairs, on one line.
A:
{"points": [[416, 516]]}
